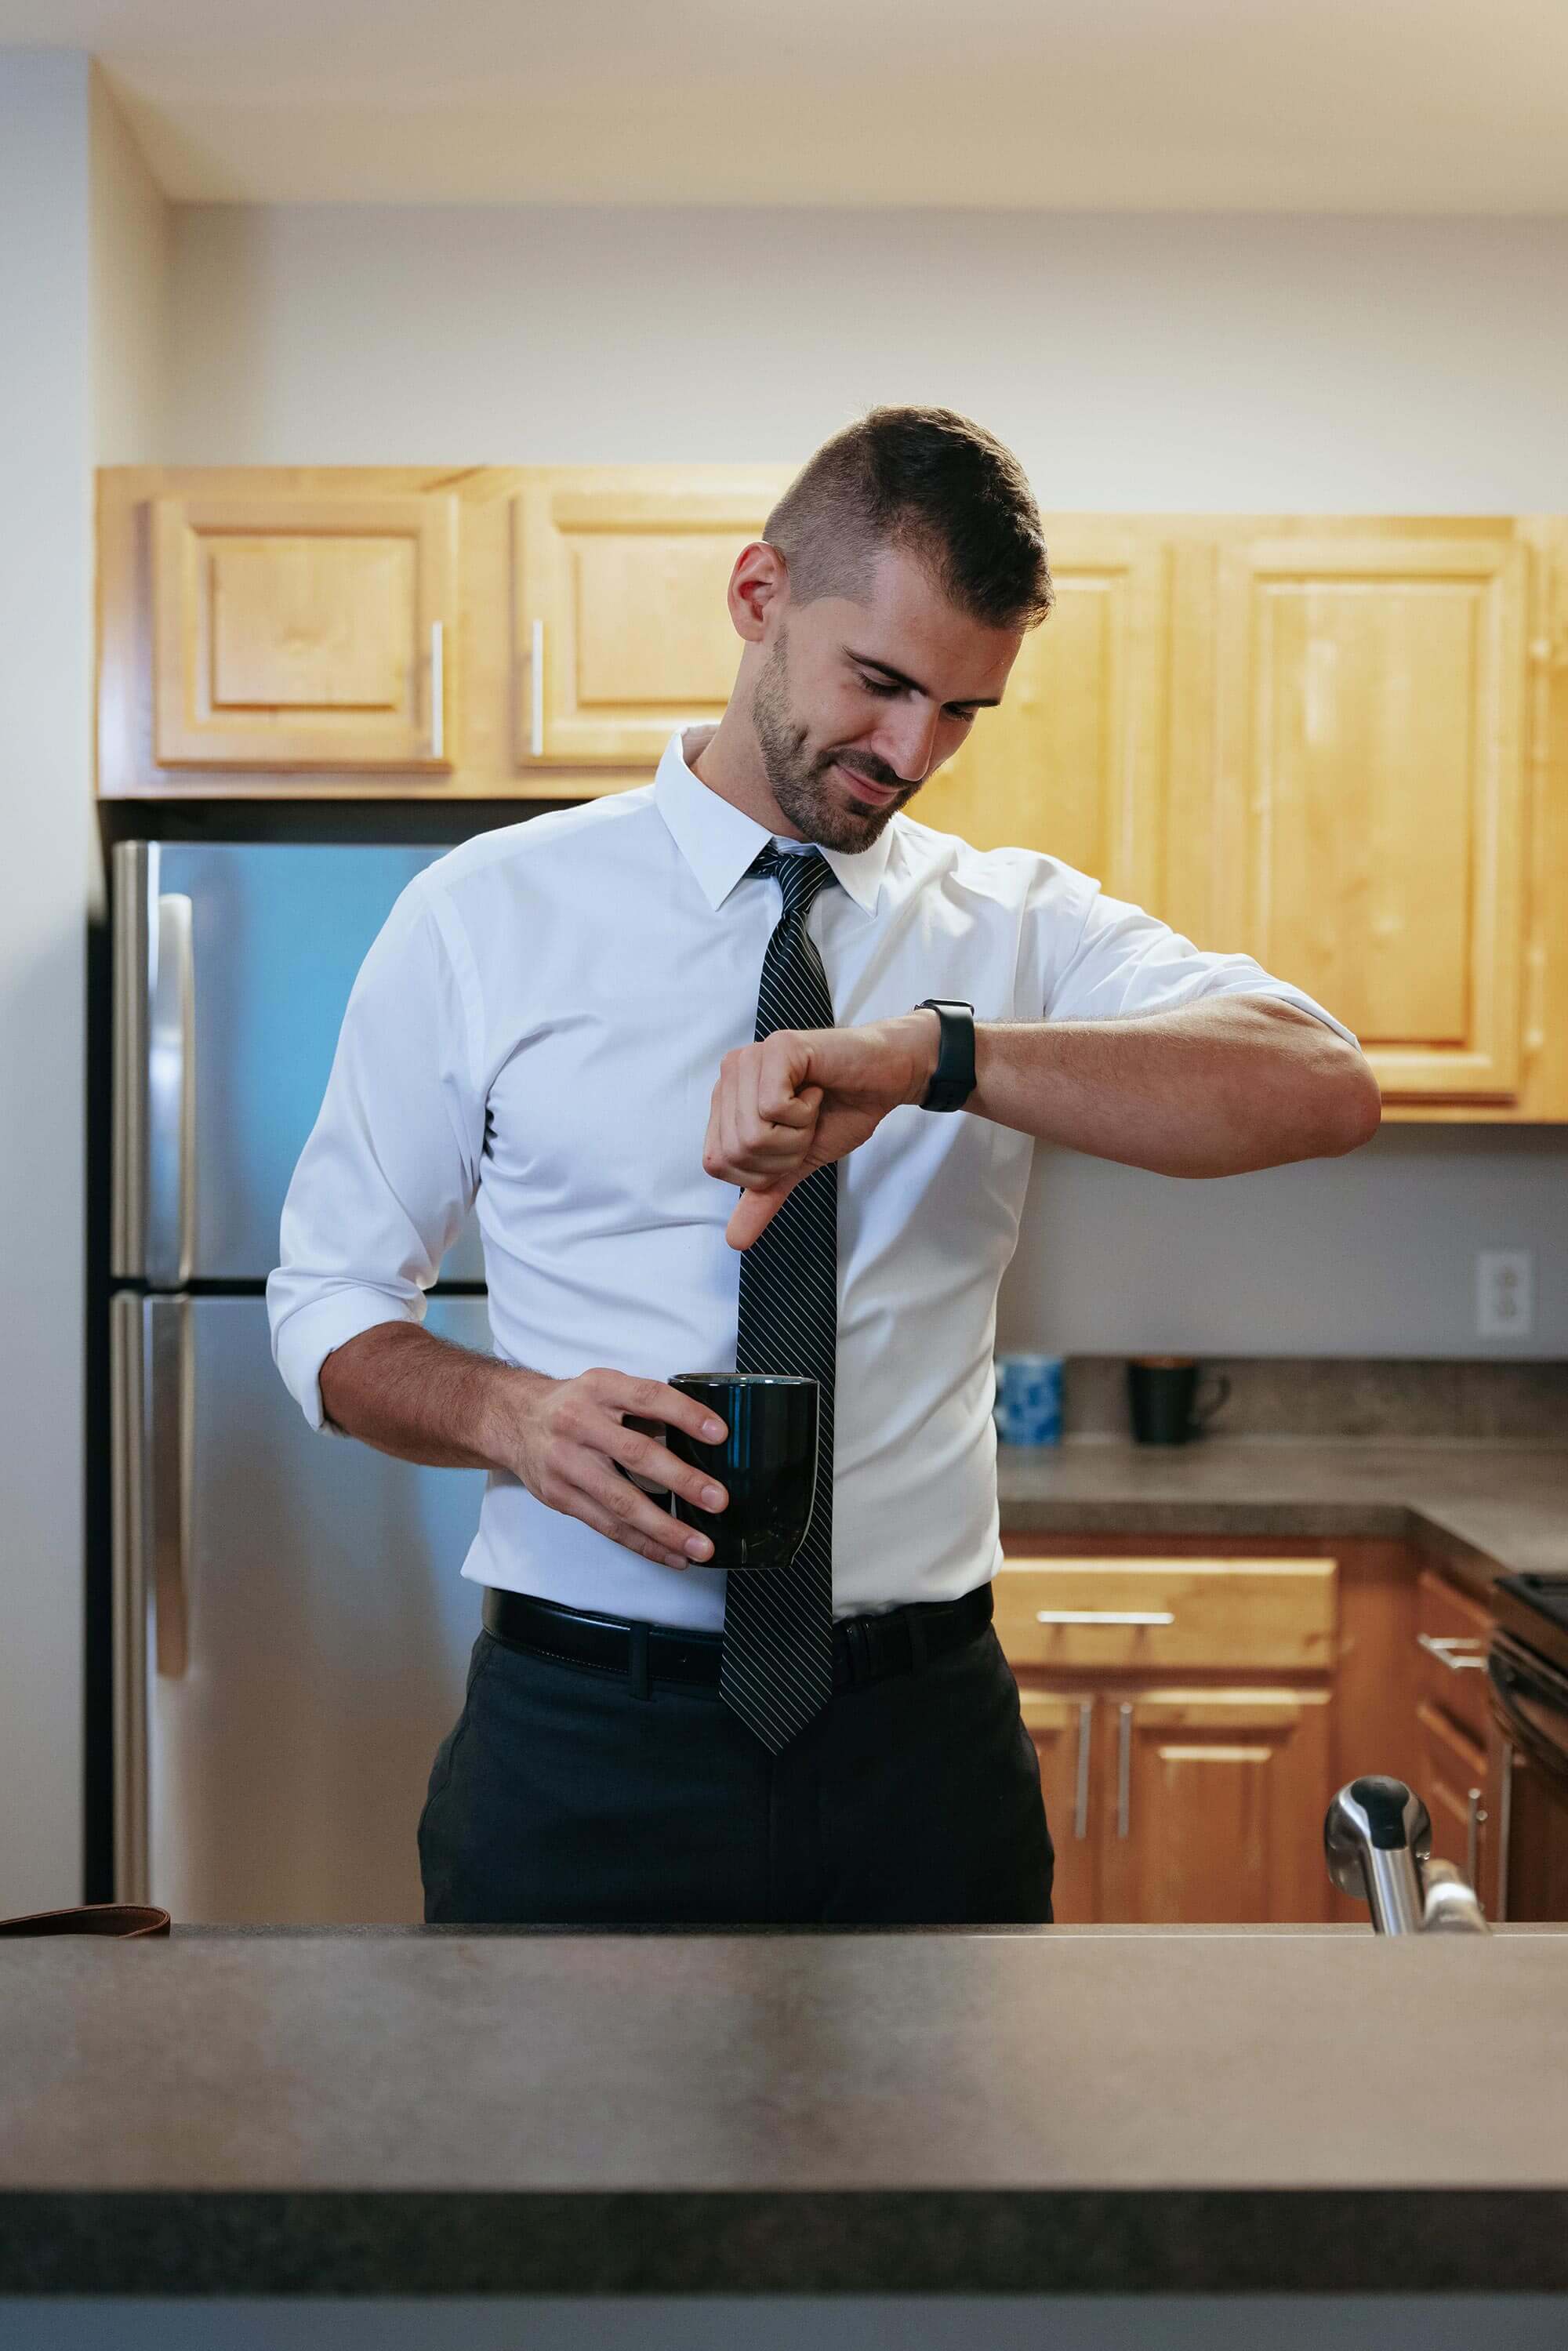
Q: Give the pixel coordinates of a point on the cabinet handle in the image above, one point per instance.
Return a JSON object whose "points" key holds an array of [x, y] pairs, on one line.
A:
{"points": [[1103, 1616], [1125, 1770], [1458, 1651], [537, 692], [1473, 1839], [1085, 1733], [437, 691]]}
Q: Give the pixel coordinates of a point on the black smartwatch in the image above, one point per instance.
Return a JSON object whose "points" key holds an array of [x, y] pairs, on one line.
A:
{"points": [[953, 1080]]}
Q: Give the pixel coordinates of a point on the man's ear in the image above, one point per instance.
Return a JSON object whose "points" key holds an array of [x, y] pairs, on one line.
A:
{"points": [[759, 585]]}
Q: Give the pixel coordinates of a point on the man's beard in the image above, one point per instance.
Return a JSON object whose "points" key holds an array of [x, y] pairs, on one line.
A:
{"points": [[803, 786]]}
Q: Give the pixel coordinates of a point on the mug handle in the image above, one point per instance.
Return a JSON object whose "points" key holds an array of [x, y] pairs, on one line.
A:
{"points": [[1201, 1414]]}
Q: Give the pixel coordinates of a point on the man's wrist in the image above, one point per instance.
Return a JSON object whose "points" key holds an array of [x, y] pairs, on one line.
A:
{"points": [[506, 1393], [922, 1030]]}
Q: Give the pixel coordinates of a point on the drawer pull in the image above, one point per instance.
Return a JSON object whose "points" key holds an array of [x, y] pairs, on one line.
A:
{"points": [[1125, 1770], [1103, 1616], [1458, 1651]]}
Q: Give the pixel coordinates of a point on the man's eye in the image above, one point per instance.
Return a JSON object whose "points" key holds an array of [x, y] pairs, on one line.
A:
{"points": [[875, 686]]}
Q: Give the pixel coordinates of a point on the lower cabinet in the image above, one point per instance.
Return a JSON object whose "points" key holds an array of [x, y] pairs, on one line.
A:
{"points": [[1180, 1706], [1184, 1806], [1453, 1629], [1456, 1788]]}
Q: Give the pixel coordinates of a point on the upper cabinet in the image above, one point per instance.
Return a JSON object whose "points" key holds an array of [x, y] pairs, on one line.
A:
{"points": [[1370, 791], [623, 630], [1339, 743], [1075, 761], [302, 632]]}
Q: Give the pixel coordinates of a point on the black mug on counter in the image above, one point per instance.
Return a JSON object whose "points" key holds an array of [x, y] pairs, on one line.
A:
{"points": [[1162, 1398], [767, 1464]]}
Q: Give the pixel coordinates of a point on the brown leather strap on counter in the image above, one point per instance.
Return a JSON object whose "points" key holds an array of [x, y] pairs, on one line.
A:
{"points": [[94, 1918]]}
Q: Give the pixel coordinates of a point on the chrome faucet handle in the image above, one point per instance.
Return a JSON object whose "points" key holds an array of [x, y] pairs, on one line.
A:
{"points": [[1452, 1906], [1376, 1834]]}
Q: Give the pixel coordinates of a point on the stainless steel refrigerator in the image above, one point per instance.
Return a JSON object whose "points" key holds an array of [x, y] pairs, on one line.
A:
{"points": [[290, 1626]]}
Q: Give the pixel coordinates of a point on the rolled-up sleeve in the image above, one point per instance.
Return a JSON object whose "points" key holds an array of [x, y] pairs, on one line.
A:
{"points": [[391, 1164], [1107, 960]]}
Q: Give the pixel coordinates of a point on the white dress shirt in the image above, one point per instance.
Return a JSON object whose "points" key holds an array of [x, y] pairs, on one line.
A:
{"points": [[538, 1028]]}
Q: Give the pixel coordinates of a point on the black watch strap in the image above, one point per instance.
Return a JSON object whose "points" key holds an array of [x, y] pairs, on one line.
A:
{"points": [[953, 1080]]}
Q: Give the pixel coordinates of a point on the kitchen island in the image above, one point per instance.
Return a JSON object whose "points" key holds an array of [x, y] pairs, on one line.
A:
{"points": [[1037, 2112]]}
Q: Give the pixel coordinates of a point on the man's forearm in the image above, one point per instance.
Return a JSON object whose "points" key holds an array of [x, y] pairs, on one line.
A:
{"points": [[400, 1389], [1211, 1089]]}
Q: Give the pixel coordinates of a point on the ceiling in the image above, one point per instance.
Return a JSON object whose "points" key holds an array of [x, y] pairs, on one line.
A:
{"points": [[1405, 106]]}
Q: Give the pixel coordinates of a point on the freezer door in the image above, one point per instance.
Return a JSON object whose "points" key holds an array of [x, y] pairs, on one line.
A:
{"points": [[232, 964], [291, 1629]]}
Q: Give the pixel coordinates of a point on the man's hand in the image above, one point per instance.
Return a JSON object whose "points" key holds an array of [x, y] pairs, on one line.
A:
{"points": [[569, 1442], [406, 1392], [804, 1097]]}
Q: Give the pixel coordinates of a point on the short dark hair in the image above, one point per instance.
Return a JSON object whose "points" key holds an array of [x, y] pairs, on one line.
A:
{"points": [[929, 482]]}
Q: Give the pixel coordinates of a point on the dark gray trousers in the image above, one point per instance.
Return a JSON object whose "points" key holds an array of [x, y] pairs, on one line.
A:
{"points": [[559, 1798]]}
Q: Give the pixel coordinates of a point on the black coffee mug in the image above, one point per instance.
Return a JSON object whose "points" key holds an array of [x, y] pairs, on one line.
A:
{"points": [[1162, 1395], [767, 1464]]}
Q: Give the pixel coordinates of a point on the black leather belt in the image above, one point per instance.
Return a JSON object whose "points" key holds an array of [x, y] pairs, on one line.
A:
{"points": [[865, 1648]]}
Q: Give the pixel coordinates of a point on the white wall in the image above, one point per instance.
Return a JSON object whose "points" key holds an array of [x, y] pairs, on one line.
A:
{"points": [[1164, 362], [56, 416], [1170, 362], [132, 248]]}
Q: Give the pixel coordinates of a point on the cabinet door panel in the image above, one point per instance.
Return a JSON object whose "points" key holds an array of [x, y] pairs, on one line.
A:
{"points": [[1217, 1807], [1063, 1730], [1456, 1789], [1073, 762], [303, 631], [620, 582], [1371, 792]]}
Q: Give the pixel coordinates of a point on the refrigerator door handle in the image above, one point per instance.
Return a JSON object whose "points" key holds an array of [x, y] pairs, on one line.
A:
{"points": [[170, 1439], [128, 1457], [153, 1381], [135, 882], [172, 1100]]}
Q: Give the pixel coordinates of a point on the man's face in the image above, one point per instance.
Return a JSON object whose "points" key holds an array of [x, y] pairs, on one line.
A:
{"points": [[857, 704]]}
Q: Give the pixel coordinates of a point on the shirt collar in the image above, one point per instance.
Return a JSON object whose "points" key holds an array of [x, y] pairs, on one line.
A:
{"points": [[720, 840]]}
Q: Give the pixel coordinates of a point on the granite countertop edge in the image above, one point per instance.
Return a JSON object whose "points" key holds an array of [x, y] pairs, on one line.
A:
{"points": [[652, 2242], [1483, 1509]]}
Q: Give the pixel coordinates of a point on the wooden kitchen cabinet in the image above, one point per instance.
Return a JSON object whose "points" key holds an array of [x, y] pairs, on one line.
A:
{"points": [[1184, 1806], [1191, 1799], [1062, 1729], [1339, 742], [619, 595], [1455, 1785], [304, 631], [1370, 788], [1075, 761], [1455, 1776], [1216, 1813]]}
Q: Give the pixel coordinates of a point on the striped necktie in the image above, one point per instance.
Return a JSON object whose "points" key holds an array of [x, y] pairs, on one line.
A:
{"points": [[777, 1665]]}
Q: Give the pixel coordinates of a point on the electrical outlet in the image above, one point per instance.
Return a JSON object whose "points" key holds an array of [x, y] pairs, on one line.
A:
{"points": [[1505, 1293]]}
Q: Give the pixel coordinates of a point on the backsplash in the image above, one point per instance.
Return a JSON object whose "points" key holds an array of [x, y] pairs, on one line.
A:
{"points": [[1319, 1396]]}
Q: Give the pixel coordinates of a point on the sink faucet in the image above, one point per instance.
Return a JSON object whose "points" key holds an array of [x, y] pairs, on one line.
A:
{"points": [[1377, 1839]]}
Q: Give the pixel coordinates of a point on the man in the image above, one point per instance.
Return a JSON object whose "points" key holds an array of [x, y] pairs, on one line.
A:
{"points": [[599, 1024]]}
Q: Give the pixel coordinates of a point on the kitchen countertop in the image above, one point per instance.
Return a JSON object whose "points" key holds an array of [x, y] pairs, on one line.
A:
{"points": [[1482, 1508], [430, 2111]]}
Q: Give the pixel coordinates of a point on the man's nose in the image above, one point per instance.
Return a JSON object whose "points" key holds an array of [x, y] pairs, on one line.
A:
{"points": [[909, 742]]}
